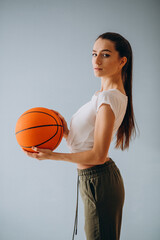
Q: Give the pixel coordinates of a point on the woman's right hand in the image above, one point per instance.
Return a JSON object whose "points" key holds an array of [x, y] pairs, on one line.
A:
{"points": [[65, 127]]}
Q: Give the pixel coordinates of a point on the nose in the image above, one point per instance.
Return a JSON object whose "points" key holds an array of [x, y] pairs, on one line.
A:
{"points": [[98, 60]]}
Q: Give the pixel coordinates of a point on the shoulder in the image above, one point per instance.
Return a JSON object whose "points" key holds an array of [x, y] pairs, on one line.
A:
{"points": [[110, 98]]}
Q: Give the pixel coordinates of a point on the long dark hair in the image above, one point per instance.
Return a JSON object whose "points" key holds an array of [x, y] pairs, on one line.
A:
{"points": [[127, 127]]}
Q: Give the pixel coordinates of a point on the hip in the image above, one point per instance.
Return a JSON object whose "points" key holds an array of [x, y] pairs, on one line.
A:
{"points": [[102, 183]]}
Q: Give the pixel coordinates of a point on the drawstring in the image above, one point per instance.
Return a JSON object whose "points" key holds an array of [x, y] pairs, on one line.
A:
{"points": [[76, 216]]}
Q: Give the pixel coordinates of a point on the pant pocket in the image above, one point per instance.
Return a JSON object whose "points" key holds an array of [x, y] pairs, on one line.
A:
{"points": [[92, 190], [87, 192]]}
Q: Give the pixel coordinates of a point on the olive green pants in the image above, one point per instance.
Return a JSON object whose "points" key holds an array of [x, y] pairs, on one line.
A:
{"points": [[102, 192]]}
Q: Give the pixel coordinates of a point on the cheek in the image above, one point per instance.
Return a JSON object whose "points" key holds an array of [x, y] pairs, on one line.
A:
{"points": [[111, 65], [108, 65]]}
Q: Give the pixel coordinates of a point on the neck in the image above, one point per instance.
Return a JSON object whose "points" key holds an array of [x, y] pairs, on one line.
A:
{"points": [[111, 83]]}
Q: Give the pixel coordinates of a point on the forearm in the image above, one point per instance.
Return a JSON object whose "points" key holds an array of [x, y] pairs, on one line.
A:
{"points": [[86, 157]]}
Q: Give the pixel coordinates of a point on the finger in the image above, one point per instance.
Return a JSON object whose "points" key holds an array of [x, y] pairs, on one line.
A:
{"points": [[55, 111], [30, 154], [41, 150], [58, 113], [24, 151], [38, 149]]}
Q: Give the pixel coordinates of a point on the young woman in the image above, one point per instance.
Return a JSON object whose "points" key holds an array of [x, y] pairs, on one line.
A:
{"points": [[92, 127]]}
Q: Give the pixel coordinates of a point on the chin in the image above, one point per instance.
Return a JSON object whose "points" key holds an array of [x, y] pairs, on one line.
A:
{"points": [[98, 74]]}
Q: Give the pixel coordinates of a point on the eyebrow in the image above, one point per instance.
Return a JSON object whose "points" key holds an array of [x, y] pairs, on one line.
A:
{"points": [[103, 50]]}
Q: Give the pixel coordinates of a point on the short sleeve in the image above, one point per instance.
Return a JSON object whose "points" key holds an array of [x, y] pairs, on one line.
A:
{"points": [[108, 98]]}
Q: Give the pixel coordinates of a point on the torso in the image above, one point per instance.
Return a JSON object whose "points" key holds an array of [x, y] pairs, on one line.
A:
{"points": [[82, 166]]}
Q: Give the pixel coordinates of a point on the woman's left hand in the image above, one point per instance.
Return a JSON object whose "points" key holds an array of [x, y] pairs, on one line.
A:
{"points": [[40, 153]]}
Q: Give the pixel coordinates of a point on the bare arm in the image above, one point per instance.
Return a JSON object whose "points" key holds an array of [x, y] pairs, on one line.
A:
{"points": [[102, 138]]}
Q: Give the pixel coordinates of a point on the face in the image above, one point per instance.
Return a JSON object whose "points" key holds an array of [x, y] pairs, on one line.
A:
{"points": [[105, 59]]}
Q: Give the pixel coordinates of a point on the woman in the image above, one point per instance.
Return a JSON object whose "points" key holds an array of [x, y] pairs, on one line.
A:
{"points": [[92, 128]]}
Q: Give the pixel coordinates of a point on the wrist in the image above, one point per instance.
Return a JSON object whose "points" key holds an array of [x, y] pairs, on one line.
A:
{"points": [[50, 156]]}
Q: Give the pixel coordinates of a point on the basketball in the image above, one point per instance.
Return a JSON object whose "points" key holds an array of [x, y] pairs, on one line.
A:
{"points": [[39, 127]]}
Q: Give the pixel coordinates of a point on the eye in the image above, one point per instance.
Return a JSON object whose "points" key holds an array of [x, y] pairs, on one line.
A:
{"points": [[103, 55], [106, 55]]}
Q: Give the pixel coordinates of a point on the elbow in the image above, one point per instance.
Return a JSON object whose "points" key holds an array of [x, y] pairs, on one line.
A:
{"points": [[103, 160], [99, 158]]}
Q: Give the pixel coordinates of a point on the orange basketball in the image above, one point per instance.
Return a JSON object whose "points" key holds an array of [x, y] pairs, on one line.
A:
{"points": [[39, 127]]}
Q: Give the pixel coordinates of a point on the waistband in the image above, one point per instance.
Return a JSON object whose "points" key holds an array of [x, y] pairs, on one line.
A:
{"points": [[95, 170]]}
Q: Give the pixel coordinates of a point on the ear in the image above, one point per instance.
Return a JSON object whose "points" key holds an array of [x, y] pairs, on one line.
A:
{"points": [[123, 61]]}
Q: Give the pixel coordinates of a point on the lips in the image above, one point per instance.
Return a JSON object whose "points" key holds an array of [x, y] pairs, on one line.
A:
{"points": [[97, 69]]}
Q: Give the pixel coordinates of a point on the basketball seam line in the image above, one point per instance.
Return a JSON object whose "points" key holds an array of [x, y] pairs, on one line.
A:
{"points": [[38, 112], [43, 142], [49, 125]]}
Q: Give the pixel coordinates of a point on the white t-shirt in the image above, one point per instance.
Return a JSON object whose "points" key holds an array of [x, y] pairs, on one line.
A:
{"points": [[81, 134]]}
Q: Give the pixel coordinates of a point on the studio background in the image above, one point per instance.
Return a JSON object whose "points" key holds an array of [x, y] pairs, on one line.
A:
{"points": [[45, 60]]}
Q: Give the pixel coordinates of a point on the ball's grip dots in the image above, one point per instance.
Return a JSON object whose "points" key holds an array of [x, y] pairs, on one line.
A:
{"points": [[39, 127]]}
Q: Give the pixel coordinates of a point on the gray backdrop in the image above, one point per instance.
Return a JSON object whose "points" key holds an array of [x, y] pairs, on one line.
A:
{"points": [[45, 60]]}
